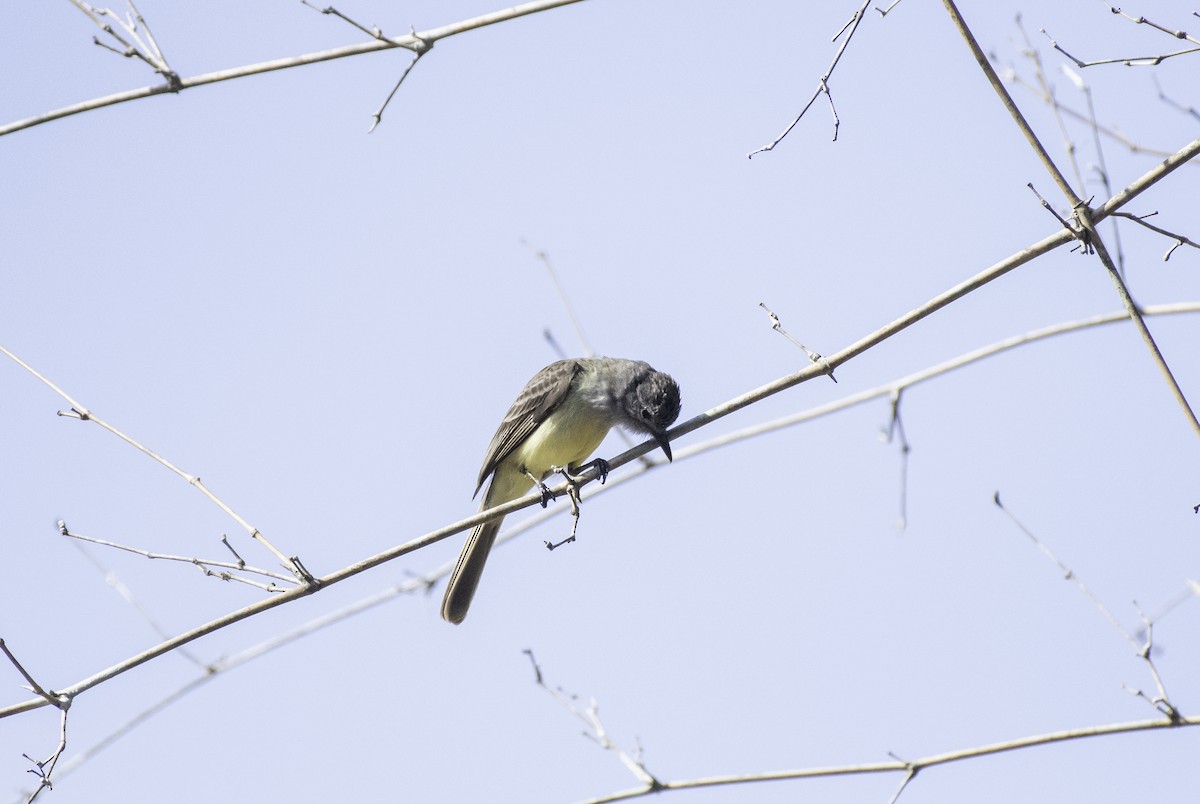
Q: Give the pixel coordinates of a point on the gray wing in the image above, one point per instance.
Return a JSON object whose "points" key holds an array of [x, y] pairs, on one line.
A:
{"points": [[541, 395]]}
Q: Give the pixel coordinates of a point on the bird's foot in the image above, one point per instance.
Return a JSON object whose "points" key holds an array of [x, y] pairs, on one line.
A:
{"points": [[552, 545]]}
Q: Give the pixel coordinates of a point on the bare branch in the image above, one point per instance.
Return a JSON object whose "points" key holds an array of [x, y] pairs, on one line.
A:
{"points": [[1134, 61], [377, 118], [899, 766], [414, 42], [427, 581], [813, 357], [596, 731], [943, 299], [1006, 99], [44, 769], [145, 49], [34, 687], [78, 411], [204, 565], [823, 83], [1176, 34], [896, 428], [1084, 215], [373, 31], [1180, 240], [1161, 702]]}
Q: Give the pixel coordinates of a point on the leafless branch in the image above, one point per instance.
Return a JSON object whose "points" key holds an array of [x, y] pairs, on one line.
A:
{"points": [[78, 411], [1128, 61], [1180, 240], [377, 118], [44, 769], [425, 582], [1143, 650], [895, 429], [373, 31], [1084, 216], [133, 45], [900, 766], [34, 687], [813, 357], [413, 42], [846, 354], [1139, 20], [206, 566], [823, 83], [1011, 76], [595, 728]]}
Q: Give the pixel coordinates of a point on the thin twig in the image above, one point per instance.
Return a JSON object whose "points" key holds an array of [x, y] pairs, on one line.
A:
{"points": [[908, 777], [185, 559], [113, 580], [145, 49], [1139, 20], [78, 411], [576, 322], [899, 766], [1146, 651], [896, 428], [1067, 573], [1039, 74], [1083, 214], [34, 687], [1161, 703], [1128, 61], [415, 42], [1112, 134], [1191, 111], [813, 357], [1179, 239], [44, 769], [377, 118], [596, 730], [204, 564], [374, 31], [822, 84], [1102, 165], [883, 12]]}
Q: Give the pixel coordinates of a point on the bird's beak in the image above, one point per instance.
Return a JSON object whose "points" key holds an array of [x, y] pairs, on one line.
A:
{"points": [[661, 438]]}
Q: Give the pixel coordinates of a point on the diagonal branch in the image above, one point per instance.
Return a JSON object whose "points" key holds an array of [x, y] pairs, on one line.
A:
{"points": [[1084, 215], [737, 403], [900, 766], [823, 83], [80, 412], [416, 42], [982, 59]]}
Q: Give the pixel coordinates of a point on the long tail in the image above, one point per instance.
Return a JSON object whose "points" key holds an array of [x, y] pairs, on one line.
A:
{"points": [[467, 570]]}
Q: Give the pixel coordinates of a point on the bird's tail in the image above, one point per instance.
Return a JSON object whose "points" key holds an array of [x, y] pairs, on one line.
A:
{"points": [[467, 570]]}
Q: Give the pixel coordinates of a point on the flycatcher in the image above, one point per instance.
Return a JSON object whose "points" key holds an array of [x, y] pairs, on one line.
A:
{"points": [[556, 423]]}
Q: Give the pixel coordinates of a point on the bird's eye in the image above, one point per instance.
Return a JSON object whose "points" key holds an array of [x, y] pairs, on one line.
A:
{"points": [[645, 413]]}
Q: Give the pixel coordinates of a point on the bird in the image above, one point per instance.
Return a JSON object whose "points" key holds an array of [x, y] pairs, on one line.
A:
{"points": [[556, 423]]}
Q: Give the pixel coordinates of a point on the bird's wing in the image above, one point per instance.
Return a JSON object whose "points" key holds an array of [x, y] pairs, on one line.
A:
{"points": [[537, 400]]}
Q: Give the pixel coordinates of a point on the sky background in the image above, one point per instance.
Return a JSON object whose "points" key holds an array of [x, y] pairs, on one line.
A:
{"points": [[326, 326]]}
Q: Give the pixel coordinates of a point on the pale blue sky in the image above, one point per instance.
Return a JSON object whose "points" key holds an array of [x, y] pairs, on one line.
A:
{"points": [[327, 326]]}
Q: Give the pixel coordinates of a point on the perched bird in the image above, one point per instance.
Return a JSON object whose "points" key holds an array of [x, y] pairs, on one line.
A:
{"points": [[557, 422]]}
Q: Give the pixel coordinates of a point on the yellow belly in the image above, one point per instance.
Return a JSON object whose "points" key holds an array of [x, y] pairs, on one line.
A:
{"points": [[568, 437]]}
